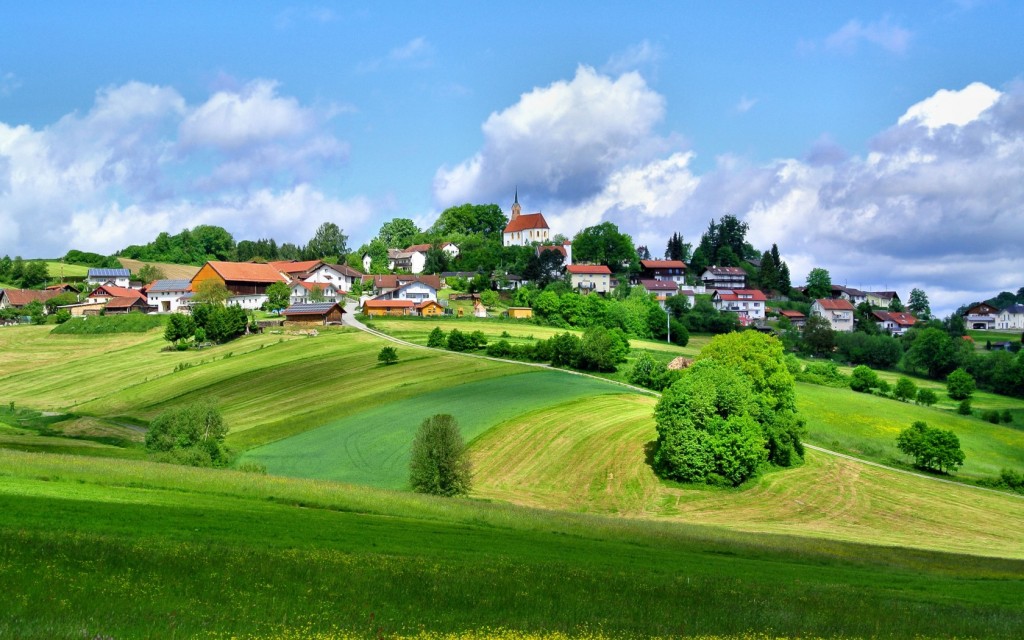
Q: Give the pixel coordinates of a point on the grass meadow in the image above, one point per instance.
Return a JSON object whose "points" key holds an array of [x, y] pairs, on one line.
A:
{"points": [[99, 548]]}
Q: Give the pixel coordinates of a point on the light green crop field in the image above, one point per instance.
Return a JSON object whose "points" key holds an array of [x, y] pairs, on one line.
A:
{"points": [[122, 549], [598, 465], [371, 447], [56, 269]]}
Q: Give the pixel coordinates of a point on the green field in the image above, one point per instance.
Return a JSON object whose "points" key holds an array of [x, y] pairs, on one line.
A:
{"points": [[93, 548], [372, 447]]}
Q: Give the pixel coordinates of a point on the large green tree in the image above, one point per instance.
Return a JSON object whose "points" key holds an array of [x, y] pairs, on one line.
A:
{"points": [[471, 219], [605, 244], [327, 242], [819, 283], [398, 233], [933, 351], [193, 434], [918, 304], [438, 463], [932, 449], [278, 294]]}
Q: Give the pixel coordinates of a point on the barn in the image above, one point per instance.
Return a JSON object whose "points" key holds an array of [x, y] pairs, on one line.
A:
{"points": [[320, 313]]}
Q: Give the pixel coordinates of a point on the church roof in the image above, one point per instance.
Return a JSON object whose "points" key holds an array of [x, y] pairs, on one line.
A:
{"points": [[527, 221]]}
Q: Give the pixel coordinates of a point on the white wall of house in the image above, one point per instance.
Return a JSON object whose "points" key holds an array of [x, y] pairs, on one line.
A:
{"points": [[165, 301], [328, 274], [124, 282], [250, 302], [840, 320], [525, 237], [300, 294], [415, 291], [599, 282], [1007, 320]]}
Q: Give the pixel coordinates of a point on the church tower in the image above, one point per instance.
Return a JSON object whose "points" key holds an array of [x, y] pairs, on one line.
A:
{"points": [[516, 209]]}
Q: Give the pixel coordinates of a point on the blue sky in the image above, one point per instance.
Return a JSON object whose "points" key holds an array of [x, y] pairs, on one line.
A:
{"points": [[883, 141]]}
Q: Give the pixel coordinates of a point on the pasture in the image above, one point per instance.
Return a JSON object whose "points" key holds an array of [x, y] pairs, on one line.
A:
{"points": [[98, 548], [170, 271]]}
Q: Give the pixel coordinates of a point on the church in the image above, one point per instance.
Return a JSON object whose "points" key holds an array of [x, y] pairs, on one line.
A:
{"points": [[525, 229]]}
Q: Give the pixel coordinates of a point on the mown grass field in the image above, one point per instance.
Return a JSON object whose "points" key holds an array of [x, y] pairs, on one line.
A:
{"points": [[170, 271], [371, 447], [96, 548]]}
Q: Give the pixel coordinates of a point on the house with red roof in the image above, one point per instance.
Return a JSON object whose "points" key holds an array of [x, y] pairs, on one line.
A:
{"points": [[838, 312], [380, 307], [796, 318], [523, 230], [748, 304], [301, 292], [895, 322], [587, 278], [18, 298], [674, 270], [247, 281]]}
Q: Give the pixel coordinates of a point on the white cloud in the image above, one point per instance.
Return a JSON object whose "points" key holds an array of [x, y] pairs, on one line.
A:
{"points": [[560, 141], [952, 107], [883, 34], [256, 114], [639, 56]]}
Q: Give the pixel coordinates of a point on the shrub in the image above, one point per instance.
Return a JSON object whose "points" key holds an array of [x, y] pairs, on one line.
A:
{"points": [[964, 408], [959, 385], [863, 379], [437, 339], [905, 389], [63, 316], [1006, 417], [500, 349], [458, 341], [192, 435], [927, 397], [991, 415], [438, 463], [387, 355]]}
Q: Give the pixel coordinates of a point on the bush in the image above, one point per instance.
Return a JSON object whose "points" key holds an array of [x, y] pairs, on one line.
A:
{"points": [[387, 355], [932, 449], [601, 349], [863, 379], [960, 385], [458, 341], [63, 316], [133, 322], [437, 339], [927, 397], [1006, 417], [991, 415], [826, 374], [964, 408], [500, 349], [905, 389], [192, 435], [438, 464]]}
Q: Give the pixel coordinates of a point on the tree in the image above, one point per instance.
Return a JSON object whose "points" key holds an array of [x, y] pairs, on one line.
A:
{"points": [[819, 336], [278, 294], [211, 292], [436, 260], [602, 349], [398, 233], [438, 463], [328, 241], [604, 244], [918, 304], [387, 355], [148, 273], [905, 389], [179, 327], [932, 449], [819, 284], [895, 305], [932, 350], [927, 397], [34, 274], [437, 339], [960, 385], [677, 249], [193, 434], [863, 379], [316, 294], [785, 284], [706, 430], [471, 219], [768, 273]]}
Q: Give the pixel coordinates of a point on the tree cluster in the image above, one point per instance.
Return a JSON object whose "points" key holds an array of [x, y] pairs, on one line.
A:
{"points": [[24, 274], [932, 449], [213, 322], [192, 435]]}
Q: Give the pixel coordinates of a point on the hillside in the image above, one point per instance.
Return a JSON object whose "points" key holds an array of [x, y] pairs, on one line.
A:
{"points": [[171, 271]]}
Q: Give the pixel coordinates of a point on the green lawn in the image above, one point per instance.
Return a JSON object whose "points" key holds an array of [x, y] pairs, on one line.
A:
{"points": [[371, 446], [94, 548]]}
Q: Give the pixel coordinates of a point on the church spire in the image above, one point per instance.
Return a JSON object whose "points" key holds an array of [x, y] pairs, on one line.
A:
{"points": [[516, 209]]}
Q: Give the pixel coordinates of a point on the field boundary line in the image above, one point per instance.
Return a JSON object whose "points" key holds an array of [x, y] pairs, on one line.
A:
{"points": [[359, 325]]}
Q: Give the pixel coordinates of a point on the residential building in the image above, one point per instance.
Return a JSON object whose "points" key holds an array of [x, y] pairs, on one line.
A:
{"points": [[18, 298], [674, 270], [662, 289], [378, 285], [895, 322], [116, 277], [587, 278], [107, 292], [981, 316], [796, 319], [247, 281], [523, 230], [302, 291], [724, 278], [167, 295], [854, 296], [565, 249], [838, 312], [882, 298], [1012, 317], [430, 308], [748, 304]]}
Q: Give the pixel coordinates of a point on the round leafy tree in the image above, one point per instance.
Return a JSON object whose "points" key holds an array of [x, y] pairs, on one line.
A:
{"points": [[439, 464]]}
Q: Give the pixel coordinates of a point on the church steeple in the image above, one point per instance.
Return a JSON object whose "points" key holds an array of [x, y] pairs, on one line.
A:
{"points": [[516, 209]]}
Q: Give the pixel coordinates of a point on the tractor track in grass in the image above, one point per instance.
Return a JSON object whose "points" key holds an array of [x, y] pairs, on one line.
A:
{"points": [[350, 308]]}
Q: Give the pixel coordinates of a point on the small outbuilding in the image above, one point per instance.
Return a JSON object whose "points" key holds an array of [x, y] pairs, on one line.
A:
{"points": [[520, 313], [376, 307], [320, 313], [430, 308]]}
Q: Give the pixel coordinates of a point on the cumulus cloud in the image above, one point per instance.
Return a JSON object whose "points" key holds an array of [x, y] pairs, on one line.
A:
{"points": [[883, 34], [561, 141], [142, 160]]}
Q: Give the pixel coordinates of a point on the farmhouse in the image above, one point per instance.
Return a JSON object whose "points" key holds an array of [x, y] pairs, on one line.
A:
{"points": [[748, 304], [246, 281], [673, 270], [166, 295], [116, 277], [414, 258], [377, 307], [796, 318], [895, 322], [1012, 317], [839, 313], [523, 230], [321, 313], [18, 298], [107, 292], [981, 316], [301, 292], [588, 277], [126, 304], [724, 278], [387, 285]]}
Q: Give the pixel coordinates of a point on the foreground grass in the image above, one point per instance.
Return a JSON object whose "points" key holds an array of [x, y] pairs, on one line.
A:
{"points": [[128, 549]]}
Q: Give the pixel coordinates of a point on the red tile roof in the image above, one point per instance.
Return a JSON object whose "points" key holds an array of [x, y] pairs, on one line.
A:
{"points": [[247, 272], [838, 304], [732, 295], [427, 303], [21, 297], [662, 264], [659, 285], [111, 291], [900, 318], [552, 247], [791, 314], [395, 281], [294, 266], [527, 221], [125, 302], [593, 269]]}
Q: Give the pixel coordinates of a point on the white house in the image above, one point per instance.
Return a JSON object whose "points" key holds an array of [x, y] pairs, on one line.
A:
{"points": [[166, 295], [301, 291], [1012, 317], [116, 277], [416, 291], [589, 277], [839, 313], [895, 322], [748, 304], [340, 276], [523, 230], [724, 278], [981, 316]]}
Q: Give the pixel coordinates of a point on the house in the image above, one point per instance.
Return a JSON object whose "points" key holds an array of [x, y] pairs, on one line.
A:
{"points": [[127, 304], [430, 308], [523, 230], [320, 313], [247, 281], [376, 307], [166, 295], [724, 278], [587, 277], [748, 304], [341, 276], [382, 285], [981, 316], [414, 258], [895, 322], [520, 313], [63, 288], [116, 277], [367, 260], [18, 298], [301, 292], [107, 292], [565, 249], [882, 299], [83, 308], [855, 296], [1012, 317], [691, 295], [660, 287], [796, 318], [838, 312], [673, 270]]}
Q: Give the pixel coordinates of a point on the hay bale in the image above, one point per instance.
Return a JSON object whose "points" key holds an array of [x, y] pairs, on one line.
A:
{"points": [[679, 363]]}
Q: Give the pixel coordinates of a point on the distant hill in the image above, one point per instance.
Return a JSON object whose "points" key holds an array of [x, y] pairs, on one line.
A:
{"points": [[171, 271]]}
